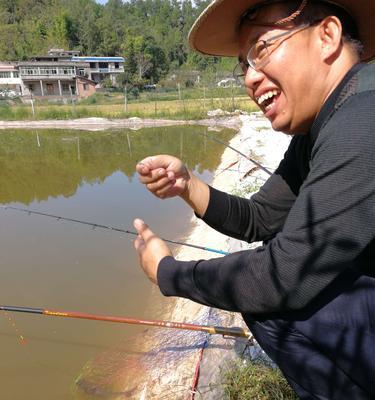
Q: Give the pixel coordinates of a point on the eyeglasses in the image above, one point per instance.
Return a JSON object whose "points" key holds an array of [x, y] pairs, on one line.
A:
{"points": [[259, 54]]}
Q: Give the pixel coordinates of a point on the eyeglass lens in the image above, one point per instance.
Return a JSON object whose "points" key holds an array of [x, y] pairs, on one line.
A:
{"points": [[258, 53]]}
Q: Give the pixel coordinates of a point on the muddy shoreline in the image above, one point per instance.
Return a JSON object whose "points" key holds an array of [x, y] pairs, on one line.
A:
{"points": [[135, 123]]}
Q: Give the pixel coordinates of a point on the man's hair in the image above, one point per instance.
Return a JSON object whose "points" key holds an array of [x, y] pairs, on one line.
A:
{"points": [[298, 13]]}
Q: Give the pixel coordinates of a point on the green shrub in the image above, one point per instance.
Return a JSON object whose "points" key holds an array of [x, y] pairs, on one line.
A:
{"points": [[93, 99], [5, 110]]}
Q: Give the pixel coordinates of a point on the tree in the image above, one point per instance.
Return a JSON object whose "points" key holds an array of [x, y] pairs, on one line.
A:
{"points": [[60, 34], [144, 59], [150, 34]]}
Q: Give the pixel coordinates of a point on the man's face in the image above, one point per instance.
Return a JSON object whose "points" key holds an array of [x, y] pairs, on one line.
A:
{"points": [[288, 87]]}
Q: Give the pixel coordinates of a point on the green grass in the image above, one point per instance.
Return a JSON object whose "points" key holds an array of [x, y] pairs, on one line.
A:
{"points": [[245, 191], [256, 380], [114, 108]]}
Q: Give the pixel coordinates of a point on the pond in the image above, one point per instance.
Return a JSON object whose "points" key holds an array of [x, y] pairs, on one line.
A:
{"points": [[55, 264]]}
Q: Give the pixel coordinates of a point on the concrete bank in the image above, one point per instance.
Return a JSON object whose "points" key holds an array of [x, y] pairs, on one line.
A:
{"points": [[257, 140], [213, 354]]}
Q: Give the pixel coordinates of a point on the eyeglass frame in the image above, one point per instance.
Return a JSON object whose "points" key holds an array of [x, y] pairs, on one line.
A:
{"points": [[250, 63]]}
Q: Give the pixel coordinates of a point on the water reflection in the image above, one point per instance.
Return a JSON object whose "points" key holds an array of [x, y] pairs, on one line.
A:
{"points": [[50, 163], [60, 265]]}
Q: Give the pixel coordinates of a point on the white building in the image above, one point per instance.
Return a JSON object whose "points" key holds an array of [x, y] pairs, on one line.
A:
{"points": [[10, 81]]}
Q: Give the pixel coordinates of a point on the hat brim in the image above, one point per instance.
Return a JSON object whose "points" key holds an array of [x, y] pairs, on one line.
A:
{"points": [[215, 32]]}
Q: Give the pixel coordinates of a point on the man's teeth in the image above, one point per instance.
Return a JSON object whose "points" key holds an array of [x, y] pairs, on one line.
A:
{"points": [[266, 96]]}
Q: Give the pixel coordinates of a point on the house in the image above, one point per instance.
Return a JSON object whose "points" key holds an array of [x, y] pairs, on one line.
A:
{"points": [[10, 82], [58, 74], [43, 77], [55, 75], [102, 67]]}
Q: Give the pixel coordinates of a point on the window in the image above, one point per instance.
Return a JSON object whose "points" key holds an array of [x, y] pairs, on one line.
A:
{"points": [[49, 87], [85, 87], [117, 65], [48, 71], [65, 87], [30, 71], [66, 71], [5, 74]]}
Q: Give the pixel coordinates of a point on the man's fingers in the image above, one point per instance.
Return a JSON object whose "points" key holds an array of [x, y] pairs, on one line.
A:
{"points": [[143, 230], [153, 175], [142, 168], [153, 162], [139, 244], [165, 191], [154, 187]]}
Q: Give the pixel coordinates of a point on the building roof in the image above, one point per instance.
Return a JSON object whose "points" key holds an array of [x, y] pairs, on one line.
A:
{"points": [[50, 57], [7, 66], [98, 59], [84, 79], [66, 63], [62, 52]]}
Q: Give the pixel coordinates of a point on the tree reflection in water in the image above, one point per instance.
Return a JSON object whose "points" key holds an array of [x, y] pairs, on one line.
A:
{"points": [[38, 164]]}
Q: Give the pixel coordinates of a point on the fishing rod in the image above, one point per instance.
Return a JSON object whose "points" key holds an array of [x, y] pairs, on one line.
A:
{"points": [[211, 330], [111, 228], [266, 170]]}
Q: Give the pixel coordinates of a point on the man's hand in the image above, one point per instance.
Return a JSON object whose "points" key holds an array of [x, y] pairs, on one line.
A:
{"points": [[151, 249], [165, 176]]}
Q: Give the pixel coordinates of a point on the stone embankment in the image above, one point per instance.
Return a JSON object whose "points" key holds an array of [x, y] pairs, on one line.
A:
{"points": [[213, 354]]}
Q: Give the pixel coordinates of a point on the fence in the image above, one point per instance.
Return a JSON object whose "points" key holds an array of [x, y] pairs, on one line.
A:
{"points": [[156, 102]]}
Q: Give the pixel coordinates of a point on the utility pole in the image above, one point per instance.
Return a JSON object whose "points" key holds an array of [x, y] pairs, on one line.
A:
{"points": [[72, 99], [179, 90], [126, 98], [32, 103]]}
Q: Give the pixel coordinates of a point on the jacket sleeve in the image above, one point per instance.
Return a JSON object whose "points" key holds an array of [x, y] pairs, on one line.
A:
{"points": [[329, 228]]}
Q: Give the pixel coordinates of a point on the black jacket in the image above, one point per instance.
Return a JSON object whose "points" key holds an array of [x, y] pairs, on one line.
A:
{"points": [[317, 213]]}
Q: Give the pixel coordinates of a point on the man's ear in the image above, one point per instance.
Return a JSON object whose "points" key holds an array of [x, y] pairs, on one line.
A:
{"points": [[330, 36]]}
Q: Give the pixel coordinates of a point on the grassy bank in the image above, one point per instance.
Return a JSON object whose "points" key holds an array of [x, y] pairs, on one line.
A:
{"points": [[256, 380], [149, 105]]}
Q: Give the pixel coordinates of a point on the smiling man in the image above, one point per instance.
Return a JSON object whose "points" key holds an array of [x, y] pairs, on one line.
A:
{"points": [[308, 293]]}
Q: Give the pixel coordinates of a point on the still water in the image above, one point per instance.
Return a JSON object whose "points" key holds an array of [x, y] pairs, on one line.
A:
{"points": [[62, 265]]}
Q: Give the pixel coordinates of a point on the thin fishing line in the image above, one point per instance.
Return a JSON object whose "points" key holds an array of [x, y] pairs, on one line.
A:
{"points": [[12, 322], [107, 227], [267, 171]]}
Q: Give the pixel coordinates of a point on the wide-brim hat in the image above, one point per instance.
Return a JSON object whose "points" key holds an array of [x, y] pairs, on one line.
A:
{"points": [[215, 32]]}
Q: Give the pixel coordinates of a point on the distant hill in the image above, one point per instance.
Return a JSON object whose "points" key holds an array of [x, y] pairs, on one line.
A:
{"points": [[150, 34]]}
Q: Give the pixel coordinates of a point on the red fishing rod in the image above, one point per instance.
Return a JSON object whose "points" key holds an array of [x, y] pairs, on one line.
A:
{"points": [[211, 330]]}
